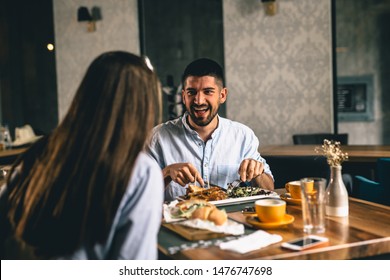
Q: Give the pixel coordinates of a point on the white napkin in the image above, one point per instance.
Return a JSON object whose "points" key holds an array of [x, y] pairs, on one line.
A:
{"points": [[230, 227], [250, 242], [25, 135], [168, 212]]}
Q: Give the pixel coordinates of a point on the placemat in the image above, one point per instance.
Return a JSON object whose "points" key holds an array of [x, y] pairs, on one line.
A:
{"points": [[170, 243]]}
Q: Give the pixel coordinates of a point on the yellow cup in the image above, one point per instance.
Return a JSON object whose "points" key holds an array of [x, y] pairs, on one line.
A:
{"points": [[270, 210], [294, 188]]}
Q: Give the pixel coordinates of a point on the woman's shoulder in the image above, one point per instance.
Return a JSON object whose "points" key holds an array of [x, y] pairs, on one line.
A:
{"points": [[145, 179], [144, 160], [146, 168]]}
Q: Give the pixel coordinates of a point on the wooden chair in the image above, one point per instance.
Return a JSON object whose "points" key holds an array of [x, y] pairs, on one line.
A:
{"points": [[379, 190], [318, 138]]}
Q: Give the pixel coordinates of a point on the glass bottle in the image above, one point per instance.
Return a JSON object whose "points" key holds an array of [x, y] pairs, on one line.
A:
{"points": [[5, 137], [336, 197]]}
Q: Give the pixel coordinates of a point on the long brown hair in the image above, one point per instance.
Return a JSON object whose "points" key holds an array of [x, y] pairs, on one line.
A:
{"points": [[70, 184]]}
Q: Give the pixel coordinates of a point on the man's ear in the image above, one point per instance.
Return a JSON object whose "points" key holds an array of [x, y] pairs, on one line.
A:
{"points": [[223, 95]]}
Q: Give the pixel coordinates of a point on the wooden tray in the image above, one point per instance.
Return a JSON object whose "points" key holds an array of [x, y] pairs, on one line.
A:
{"points": [[193, 234]]}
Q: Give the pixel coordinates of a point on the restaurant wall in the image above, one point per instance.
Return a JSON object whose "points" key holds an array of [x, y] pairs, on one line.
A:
{"points": [[279, 68], [363, 41], [76, 48]]}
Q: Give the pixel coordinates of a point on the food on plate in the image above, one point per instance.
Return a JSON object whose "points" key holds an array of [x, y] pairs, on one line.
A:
{"points": [[243, 190], [210, 194], [210, 213], [185, 208], [237, 189], [219, 217], [200, 209], [202, 212], [194, 188]]}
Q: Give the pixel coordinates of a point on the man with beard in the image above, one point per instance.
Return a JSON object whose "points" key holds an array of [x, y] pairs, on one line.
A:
{"points": [[203, 147]]}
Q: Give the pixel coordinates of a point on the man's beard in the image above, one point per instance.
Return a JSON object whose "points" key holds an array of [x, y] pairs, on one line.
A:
{"points": [[203, 121]]}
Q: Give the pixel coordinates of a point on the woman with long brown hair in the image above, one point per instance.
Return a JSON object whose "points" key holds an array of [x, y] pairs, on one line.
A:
{"points": [[88, 191]]}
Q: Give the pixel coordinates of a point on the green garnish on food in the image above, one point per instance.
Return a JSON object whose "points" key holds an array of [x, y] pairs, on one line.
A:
{"points": [[244, 190]]}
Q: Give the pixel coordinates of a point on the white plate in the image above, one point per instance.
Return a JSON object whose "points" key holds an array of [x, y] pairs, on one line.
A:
{"points": [[238, 200]]}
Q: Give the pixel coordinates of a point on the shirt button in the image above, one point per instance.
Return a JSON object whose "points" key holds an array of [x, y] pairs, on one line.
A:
{"points": [[205, 165]]}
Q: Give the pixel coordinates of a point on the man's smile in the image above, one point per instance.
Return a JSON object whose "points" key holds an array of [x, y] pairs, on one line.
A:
{"points": [[200, 111]]}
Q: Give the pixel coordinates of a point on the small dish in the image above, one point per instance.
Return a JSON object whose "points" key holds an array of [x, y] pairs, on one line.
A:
{"points": [[286, 197], [254, 221]]}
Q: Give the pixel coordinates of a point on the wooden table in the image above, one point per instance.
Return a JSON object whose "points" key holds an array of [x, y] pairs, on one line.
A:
{"points": [[364, 233], [356, 153], [9, 156]]}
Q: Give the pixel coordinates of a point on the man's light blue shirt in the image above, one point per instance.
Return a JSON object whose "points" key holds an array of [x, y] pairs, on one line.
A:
{"points": [[217, 160]]}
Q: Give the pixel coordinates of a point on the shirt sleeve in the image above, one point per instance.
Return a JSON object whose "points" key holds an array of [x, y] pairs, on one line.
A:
{"points": [[140, 214], [253, 152]]}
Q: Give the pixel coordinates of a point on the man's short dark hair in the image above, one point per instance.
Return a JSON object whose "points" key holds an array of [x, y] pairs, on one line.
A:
{"points": [[204, 67]]}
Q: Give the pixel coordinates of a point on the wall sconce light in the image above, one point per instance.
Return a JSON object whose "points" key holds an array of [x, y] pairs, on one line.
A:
{"points": [[83, 14], [270, 7]]}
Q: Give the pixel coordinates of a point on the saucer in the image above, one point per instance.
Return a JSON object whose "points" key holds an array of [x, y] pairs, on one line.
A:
{"points": [[254, 221], [250, 214], [286, 197]]}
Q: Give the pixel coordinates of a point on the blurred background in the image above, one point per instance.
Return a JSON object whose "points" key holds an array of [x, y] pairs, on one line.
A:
{"points": [[313, 66]]}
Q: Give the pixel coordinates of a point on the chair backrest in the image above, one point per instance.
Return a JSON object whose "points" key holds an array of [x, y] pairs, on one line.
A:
{"points": [[291, 168], [369, 190], [383, 177], [378, 190], [318, 138]]}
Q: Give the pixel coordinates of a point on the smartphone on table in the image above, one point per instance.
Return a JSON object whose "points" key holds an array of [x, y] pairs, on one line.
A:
{"points": [[306, 242]]}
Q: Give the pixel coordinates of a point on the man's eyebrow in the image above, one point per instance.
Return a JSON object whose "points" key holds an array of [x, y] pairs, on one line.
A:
{"points": [[206, 88]]}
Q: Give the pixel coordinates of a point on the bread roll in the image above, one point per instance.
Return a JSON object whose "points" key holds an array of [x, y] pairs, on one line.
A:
{"points": [[187, 207], [219, 217], [202, 212], [211, 213]]}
